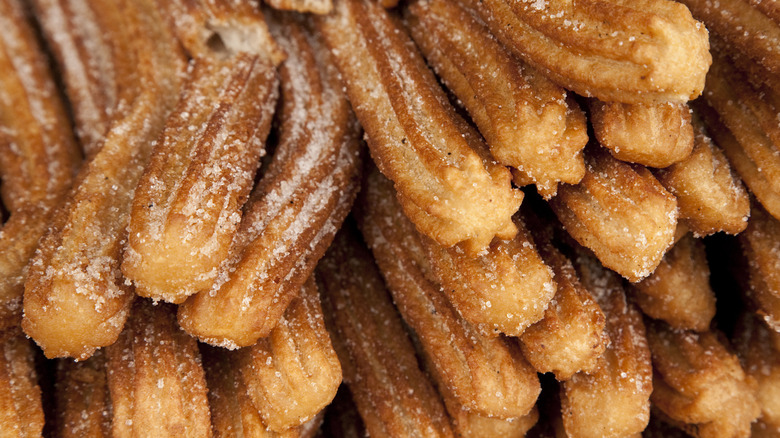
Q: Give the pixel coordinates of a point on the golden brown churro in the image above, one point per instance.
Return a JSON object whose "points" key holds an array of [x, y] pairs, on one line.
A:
{"points": [[746, 128], [155, 377], [293, 373], [654, 135], [630, 52], [614, 399], [296, 207], [83, 401], [21, 413], [394, 397], [38, 155], [529, 123], [679, 291], [621, 213], [699, 382], [758, 348], [75, 297], [709, 196], [761, 247], [485, 374], [187, 206], [571, 337], [446, 182]]}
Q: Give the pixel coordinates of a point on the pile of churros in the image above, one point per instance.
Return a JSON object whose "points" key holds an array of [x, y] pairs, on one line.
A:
{"points": [[415, 218]]}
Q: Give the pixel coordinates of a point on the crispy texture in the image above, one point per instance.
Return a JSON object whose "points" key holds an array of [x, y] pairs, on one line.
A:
{"points": [[571, 337], [761, 247], [487, 375], [758, 348], [621, 213], [679, 291], [94, 57], [313, 6], [614, 399], [710, 197], [21, 412], [83, 402], [654, 135], [293, 373], [38, 154], [394, 397], [232, 412], [187, 206], [699, 382], [75, 297], [749, 28], [295, 209], [746, 127], [155, 377], [446, 182], [528, 122], [632, 52]]}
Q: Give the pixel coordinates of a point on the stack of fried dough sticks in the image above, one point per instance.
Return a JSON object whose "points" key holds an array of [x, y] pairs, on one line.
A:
{"points": [[487, 218]]}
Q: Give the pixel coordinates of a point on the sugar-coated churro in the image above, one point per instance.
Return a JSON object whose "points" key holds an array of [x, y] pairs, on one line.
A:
{"points": [[761, 247], [654, 135], [621, 213], [392, 394], [446, 181], [83, 401], [155, 377], [293, 373], [528, 122], [21, 412], [610, 49], [294, 210]]}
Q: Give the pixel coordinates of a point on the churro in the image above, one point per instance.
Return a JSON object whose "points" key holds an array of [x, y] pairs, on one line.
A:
{"points": [[293, 373], [392, 394], [83, 402], [446, 181], [294, 210], [700, 383], [621, 213], [613, 50], [528, 122], [21, 412], [654, 135], [313, 6], [155, 377], [614, 399], [487, 375], [761, 247], [709, 196], [38, 154]]}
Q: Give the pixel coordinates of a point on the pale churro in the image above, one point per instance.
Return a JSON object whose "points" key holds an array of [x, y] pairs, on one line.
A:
{"points": [[621, 213], [487, 375], [155, 377], [679, 291], [653, 135], [83, 403], [709, 196], [187, 205], [75, 298], [699, 382], [21, 412], [761, 247], [758, 348], [38, 154], [614, 50], [392, 394], [614, 399], [746, 128], [313, 6], [529, 123], [293, 373], [294, 210], [571, 337], [446, 181]]}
